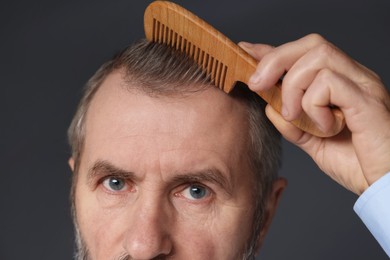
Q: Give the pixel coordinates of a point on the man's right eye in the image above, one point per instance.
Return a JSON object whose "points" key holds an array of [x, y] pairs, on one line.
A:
{"points": [[115, 184]]}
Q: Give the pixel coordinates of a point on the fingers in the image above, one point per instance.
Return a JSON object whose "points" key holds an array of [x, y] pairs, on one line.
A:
{"points": [[275, 63], [326, 89], [257, 51], [317, 76], [303, 60], [305, 70]]}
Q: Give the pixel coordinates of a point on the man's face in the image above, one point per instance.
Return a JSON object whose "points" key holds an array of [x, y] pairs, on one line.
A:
{"points": [[164, 176]]}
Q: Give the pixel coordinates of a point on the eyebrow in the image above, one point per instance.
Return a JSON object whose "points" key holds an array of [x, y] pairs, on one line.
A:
{"points": [[103, 168], [212, 175]]}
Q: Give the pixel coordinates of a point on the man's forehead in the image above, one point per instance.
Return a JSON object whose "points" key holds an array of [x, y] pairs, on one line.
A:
{"points": [[208, 119], [117, 90], [133, 130]]}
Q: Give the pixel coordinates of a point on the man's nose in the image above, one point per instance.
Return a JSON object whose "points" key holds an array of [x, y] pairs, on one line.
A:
{"points": [[148, 235]]}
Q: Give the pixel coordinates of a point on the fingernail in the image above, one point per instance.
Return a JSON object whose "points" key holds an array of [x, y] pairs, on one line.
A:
{"points": [[285, 112], [255, 78]]}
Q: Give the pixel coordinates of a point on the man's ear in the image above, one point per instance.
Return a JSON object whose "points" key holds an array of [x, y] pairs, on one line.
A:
{"points": [[71, 163], [276, 193]]}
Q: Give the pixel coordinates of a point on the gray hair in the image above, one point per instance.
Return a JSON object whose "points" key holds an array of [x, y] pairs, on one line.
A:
{"points": [[158, 70]]}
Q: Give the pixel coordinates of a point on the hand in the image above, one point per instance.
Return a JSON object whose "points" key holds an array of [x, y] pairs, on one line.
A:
{"points": [[319, 75]]}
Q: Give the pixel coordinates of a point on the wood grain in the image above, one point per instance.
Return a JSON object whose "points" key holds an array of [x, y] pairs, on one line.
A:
{"points": [[225, 62]]}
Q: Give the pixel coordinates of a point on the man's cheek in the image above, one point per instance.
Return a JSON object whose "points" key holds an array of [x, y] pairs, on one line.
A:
{"points": [[100, 229], [196, 239]]}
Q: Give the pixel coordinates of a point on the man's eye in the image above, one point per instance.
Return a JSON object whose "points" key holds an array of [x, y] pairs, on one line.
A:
{"points": [[196, 192], [115, 184]]}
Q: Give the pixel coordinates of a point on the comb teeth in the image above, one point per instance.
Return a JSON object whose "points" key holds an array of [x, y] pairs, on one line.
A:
{"points": [[213, 67]]}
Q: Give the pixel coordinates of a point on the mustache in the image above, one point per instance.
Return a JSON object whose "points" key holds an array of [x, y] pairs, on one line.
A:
{"points": [[127, 257], [124, 257]]}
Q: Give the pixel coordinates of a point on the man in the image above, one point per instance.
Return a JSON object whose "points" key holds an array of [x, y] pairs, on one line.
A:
{"points": [[167, 166]]}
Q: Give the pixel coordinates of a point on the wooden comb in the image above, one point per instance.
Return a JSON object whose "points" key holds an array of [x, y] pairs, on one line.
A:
{"points": [[224, 61]]}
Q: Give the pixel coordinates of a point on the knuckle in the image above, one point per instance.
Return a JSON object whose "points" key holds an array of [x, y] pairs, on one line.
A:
{"points": [[316, 38], [325, 49], [324, 75], [318, 90], [272, 59], [291, 86], [373, 74], [271, 56]]}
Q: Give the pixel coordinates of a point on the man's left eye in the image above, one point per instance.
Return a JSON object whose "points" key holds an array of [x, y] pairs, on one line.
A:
{"points": [[196, 192], [115, 184]]}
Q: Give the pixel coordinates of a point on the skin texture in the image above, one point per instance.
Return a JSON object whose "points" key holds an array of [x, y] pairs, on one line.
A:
{"points": [[160, 147], [319, 74]]}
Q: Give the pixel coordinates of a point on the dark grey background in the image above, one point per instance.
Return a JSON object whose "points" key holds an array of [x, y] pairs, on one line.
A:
{"points": [[50, 48]]}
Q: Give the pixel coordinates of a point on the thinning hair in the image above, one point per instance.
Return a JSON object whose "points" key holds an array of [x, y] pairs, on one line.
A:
{"points": [[158, 70]]}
